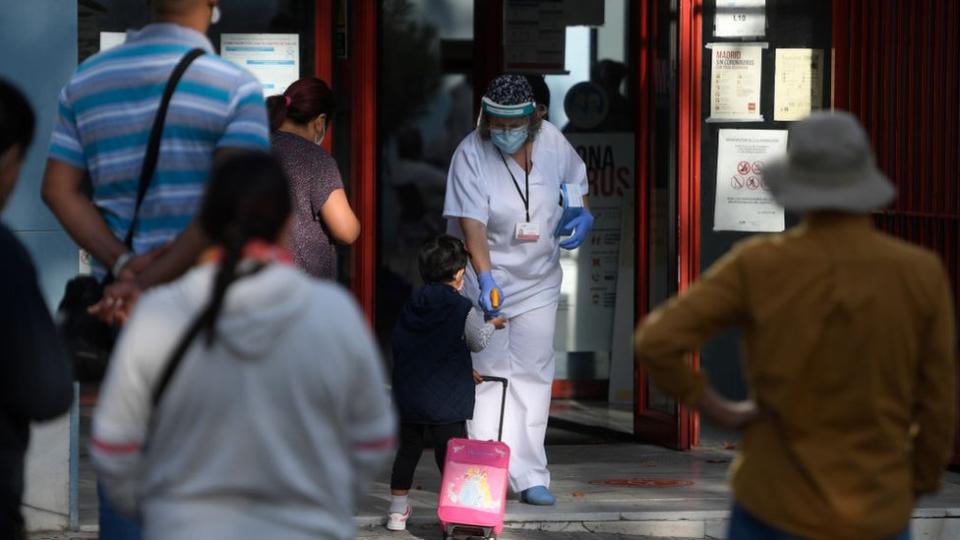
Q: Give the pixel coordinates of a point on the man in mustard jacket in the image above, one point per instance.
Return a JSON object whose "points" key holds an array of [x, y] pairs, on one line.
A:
{"points": [[849, 349]]}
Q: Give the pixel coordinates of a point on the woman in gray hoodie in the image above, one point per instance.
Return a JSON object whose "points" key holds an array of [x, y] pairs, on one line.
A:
{"points": [[278, 404]]}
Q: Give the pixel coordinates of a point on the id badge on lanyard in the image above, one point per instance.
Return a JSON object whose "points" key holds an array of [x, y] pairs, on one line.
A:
{"points": [[526, 231]]}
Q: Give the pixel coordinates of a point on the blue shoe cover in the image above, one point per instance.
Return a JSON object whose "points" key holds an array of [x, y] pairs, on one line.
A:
{"points": [[538, 495]]}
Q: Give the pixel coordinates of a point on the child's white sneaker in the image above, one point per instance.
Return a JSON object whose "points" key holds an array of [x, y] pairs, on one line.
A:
{"points": [[397, 521]]}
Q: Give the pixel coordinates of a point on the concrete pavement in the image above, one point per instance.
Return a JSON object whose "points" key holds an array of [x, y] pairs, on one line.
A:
{"points": [[630, 490], [540, 532], [604, 491], [614, 491], [432, 532]]}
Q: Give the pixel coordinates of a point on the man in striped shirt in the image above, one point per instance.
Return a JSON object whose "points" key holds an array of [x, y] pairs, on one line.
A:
{"points": [[105, 116]]}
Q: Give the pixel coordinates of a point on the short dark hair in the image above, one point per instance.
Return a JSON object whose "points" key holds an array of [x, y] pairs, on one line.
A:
{"points": [[16, 118], [441, 257], [172, 7]]}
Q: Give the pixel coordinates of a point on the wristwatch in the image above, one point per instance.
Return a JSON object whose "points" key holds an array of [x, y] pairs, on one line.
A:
{"points": [[121, 261]]}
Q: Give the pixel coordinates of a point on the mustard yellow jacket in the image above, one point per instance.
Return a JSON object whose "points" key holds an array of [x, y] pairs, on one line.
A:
{"points": [[849, 345]]}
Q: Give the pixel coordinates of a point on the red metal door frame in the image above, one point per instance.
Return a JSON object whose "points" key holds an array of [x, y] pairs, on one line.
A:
{"points": [[648, 425], [363, 149], [688, 179], [682, 430], [361, 72]]}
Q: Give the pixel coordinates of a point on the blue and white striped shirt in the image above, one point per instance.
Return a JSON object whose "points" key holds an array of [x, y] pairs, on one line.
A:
{"points": [[107, 110]]}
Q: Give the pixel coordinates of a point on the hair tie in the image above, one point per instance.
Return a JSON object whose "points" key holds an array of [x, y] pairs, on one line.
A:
{"points": [[287, 101]]}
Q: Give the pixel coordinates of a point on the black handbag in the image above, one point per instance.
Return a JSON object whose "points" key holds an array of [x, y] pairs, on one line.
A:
{"points": [[88, 339]]}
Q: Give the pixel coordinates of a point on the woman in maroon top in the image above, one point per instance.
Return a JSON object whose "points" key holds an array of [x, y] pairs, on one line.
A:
{"points": [[322, 215]]}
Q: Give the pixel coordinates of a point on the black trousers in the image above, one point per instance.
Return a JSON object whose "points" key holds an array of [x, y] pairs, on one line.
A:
{"points": [[412, 440]]}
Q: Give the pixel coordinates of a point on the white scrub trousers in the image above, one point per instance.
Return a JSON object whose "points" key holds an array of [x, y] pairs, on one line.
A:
{"points": [[523, 353]]}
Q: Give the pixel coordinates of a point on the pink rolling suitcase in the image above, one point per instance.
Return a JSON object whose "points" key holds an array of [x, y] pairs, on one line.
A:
{"points": [[473, 493]]}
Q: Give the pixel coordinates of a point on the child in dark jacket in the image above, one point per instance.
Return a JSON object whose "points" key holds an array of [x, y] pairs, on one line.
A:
{"points": [[433, 375]]}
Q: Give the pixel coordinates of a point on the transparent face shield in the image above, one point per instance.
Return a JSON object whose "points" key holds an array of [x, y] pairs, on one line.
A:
{"points": [[492, 109]]}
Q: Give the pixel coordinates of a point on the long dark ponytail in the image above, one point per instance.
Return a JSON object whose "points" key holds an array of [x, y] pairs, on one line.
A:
{"points": [[247, 199], [302, 102]]}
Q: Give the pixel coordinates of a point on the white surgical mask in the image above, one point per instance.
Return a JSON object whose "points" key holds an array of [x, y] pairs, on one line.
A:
{"points": [[509, 140], [215, 15]]}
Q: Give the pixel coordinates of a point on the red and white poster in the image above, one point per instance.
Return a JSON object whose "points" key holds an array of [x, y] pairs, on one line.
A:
{"points": [[743, 201], [735, 77]]}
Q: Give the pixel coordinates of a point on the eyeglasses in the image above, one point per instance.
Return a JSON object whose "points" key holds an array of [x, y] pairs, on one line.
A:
{"points": [[507, 123]]}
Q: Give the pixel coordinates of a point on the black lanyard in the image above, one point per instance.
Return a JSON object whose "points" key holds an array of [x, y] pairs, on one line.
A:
{"points": [[526, 179]]}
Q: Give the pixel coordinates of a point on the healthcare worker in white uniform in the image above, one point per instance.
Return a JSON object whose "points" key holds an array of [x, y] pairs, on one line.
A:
{"points": [[503, 200]]}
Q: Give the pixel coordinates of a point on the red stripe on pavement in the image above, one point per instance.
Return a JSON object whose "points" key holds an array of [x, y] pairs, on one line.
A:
{"points": [[382, 444]]}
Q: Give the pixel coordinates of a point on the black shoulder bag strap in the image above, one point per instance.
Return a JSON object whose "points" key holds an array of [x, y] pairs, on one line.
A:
{"points": [[153, 146], [174, 361]]}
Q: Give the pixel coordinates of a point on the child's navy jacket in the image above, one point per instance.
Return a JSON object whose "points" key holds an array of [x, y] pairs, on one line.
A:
{"points": [[432, 369]]}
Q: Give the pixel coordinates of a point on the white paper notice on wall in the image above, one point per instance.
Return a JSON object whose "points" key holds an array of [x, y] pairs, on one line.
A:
{"points": [[535, 37], [798, 84], [740, 18], [743, 201], [273, 58], [735, 76], [109, 40]]}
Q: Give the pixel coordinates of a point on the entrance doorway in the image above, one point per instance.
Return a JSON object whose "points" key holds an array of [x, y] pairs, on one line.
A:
{"points": [[592, 67]]}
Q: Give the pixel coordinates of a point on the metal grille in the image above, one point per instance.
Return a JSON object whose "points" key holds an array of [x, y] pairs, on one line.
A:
{"points": [[898, 68]]}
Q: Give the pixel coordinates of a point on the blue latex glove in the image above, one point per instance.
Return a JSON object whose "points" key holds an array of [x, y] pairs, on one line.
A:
{"points": [[487, 286], [581, 225]]}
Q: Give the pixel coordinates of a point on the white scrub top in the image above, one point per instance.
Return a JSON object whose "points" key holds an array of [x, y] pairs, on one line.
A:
{"points": [[479, 187]]}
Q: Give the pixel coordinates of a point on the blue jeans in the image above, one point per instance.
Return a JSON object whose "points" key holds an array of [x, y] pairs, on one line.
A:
{"points": [[744, 526], [114, 526]]}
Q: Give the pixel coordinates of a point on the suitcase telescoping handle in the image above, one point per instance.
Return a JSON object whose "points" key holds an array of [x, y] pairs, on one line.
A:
{"points": [[503, 400]]}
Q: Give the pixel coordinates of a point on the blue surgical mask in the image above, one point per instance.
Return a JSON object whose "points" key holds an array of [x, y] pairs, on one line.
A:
{"points": [[509, 140]]}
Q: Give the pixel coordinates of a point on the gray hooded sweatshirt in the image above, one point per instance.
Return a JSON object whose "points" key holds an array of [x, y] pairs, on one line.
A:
{"points": [[271, 432]]}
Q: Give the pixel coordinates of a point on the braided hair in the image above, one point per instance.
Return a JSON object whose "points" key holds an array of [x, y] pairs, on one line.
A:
{"points": [[247, 199]]}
